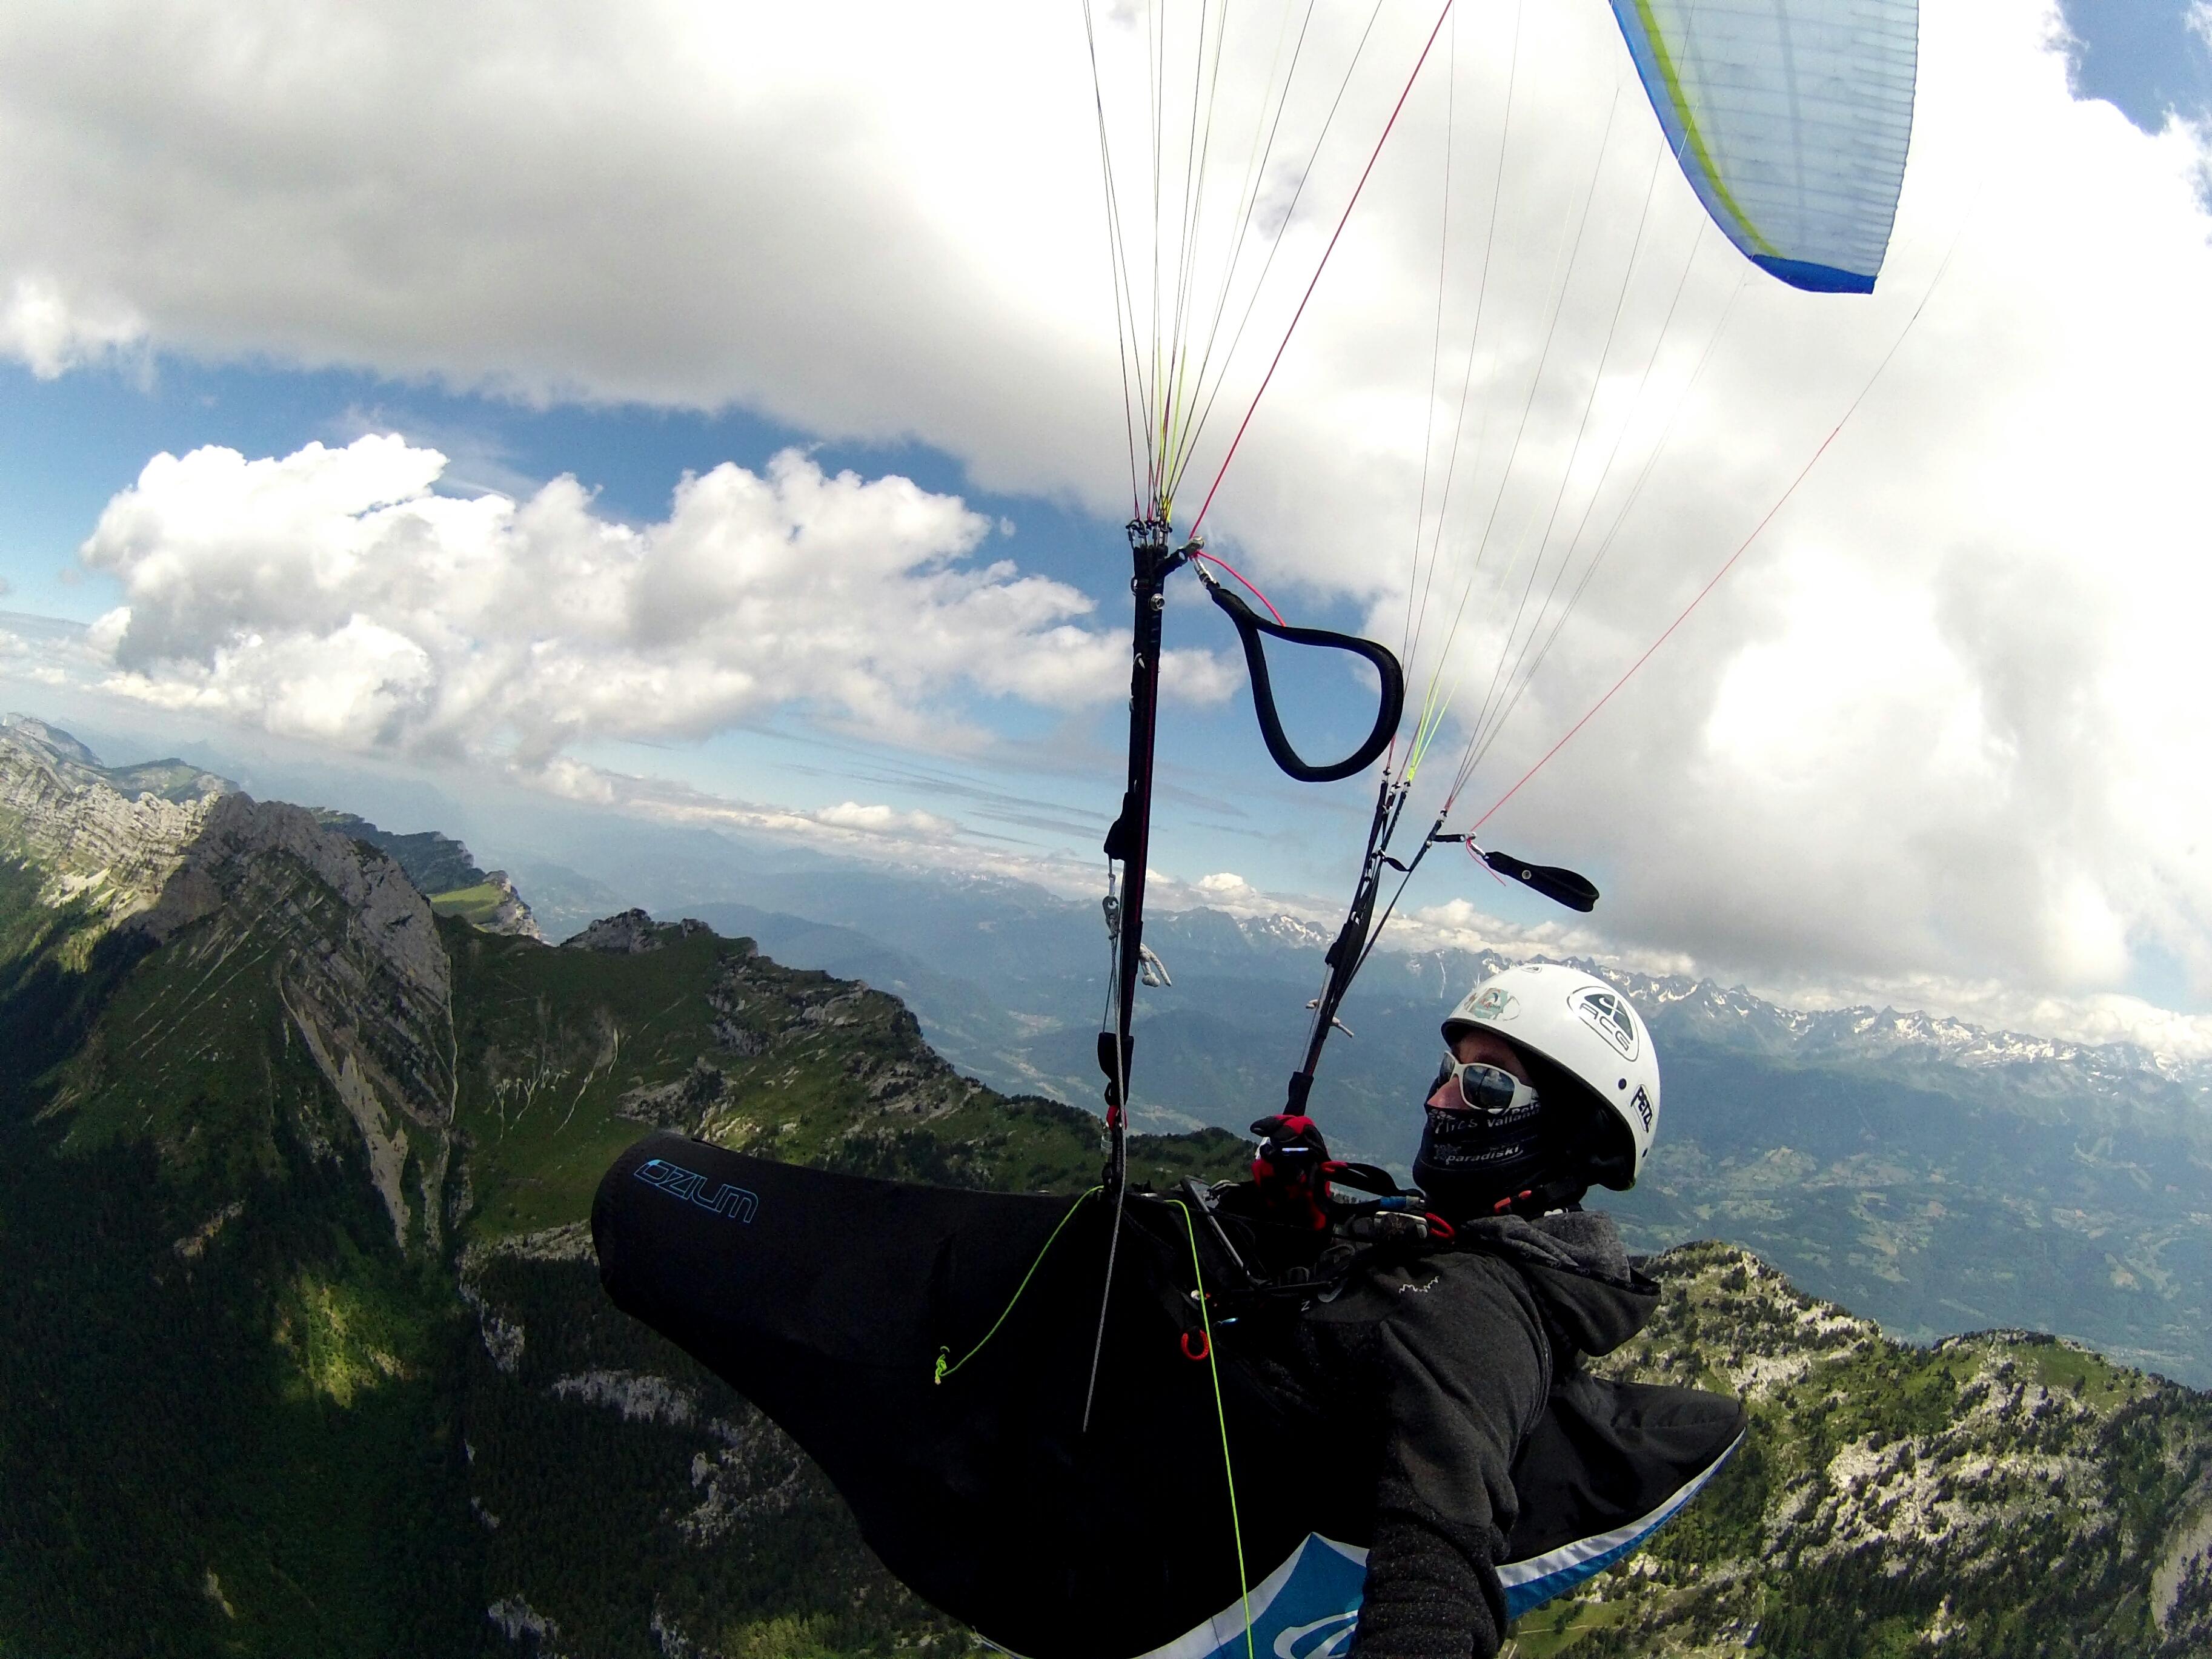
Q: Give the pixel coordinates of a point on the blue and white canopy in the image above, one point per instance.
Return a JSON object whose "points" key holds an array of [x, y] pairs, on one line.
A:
{"points": [[1790, 118]]}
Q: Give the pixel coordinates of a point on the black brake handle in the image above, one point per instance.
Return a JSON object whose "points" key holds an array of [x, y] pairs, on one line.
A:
{"points": [[1250, 626]]}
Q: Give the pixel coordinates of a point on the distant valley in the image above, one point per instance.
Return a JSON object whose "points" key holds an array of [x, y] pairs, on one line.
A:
{"points": [[1935, 1176]]}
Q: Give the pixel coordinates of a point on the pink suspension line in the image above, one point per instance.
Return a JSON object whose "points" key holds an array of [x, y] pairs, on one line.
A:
{"points": [[1395, 111]]}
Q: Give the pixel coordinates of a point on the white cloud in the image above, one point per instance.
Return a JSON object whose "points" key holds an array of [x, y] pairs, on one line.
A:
{"points": [[1932, 732], [798, 209], [1944, 721], [41, 327], [331, 593], [908, 839], [1996, 1005], [851, 815], [1457, 924]]}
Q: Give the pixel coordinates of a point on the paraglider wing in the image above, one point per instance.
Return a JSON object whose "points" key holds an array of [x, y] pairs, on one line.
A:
{"points": [[1790, 118]]}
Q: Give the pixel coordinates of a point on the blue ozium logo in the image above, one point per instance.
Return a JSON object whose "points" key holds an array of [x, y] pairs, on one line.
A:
{"points": [[680, 1182]]}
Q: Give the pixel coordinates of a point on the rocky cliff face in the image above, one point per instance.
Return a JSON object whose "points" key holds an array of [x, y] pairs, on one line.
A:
{"points": [[442, 868], [94, 845], [500, 909], [352, 950], [2002, 1493], [261, 913]]}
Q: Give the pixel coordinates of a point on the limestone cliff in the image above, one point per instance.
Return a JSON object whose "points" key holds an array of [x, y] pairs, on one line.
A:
{"points": [[498, 909], [257, 910], [94, 841], [443, 870]]}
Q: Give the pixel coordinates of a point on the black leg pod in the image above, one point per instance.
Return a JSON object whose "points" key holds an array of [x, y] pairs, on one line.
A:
{"points": [[826, 1299]]}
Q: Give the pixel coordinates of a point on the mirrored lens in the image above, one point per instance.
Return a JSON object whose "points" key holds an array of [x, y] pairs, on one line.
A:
{"points": [[1488, 1088]]}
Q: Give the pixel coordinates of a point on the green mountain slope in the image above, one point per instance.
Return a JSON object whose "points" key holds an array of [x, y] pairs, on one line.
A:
{"points": [[297, 1356], [1944, 1204], [2003, 1493]]}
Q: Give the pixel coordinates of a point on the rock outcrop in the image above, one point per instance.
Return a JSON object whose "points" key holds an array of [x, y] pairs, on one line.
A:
{"points": [[631, 933], [110, 852], [682, 1105], [444, 873], [230, 886], [1993, 1483], [505, 910]]}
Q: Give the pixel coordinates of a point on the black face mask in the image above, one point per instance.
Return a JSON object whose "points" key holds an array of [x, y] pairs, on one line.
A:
{"points": [[1470, 1160]]}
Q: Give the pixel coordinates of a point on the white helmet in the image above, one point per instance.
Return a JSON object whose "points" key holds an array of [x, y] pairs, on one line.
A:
{"points": [[1581, 1024]]}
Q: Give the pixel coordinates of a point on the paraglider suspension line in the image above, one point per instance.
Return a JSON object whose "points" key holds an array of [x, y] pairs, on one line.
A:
{"points": [[1348, 951], [1743, 546], [1277, 361]]}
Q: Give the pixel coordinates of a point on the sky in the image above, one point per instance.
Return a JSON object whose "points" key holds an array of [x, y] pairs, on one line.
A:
{"points": [[714, 414]]}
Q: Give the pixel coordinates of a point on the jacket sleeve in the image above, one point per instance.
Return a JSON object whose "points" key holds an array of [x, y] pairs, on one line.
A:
{"points": [[1462, 1366]]}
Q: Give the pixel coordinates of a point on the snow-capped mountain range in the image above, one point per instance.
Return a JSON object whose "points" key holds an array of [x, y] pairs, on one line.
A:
{"points": [[1731, 1016]]}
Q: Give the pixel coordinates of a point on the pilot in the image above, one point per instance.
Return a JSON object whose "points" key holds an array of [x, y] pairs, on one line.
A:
{"points": [[1441, 1363]]}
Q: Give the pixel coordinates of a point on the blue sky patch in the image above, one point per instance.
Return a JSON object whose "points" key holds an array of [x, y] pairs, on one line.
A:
{"points": [[2145, 57]]}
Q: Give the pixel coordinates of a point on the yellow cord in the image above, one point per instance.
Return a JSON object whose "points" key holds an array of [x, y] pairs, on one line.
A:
{"points": [[946, 1363], [1221, 1416]]}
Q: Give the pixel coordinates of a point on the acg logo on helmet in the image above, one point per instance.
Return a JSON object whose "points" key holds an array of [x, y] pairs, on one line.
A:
{"points": [[1607, 1013], [1496, 1003]]}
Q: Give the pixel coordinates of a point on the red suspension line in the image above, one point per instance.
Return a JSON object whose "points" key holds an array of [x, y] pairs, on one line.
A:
{"points": [[1249, 588], [1652, 648], [1395, 111], [1758, 530]]}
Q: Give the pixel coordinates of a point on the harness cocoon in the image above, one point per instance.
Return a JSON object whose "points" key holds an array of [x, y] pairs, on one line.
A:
{"points": [[833, 1302]]}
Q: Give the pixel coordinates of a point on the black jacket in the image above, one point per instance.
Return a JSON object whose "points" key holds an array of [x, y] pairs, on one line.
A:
{"points": [[1445, 1367]]}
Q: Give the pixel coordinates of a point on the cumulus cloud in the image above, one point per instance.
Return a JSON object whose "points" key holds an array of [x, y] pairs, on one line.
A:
{"points": [[1929, 732], [332, 594], [851, 815], [808, 211], [1458, 924], [908, 839], [42, 329], [1941, 720], [1996, 1004]]}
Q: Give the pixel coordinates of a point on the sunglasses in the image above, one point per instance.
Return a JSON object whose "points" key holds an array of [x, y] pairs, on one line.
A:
{"points": [[1483, 1087]]}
